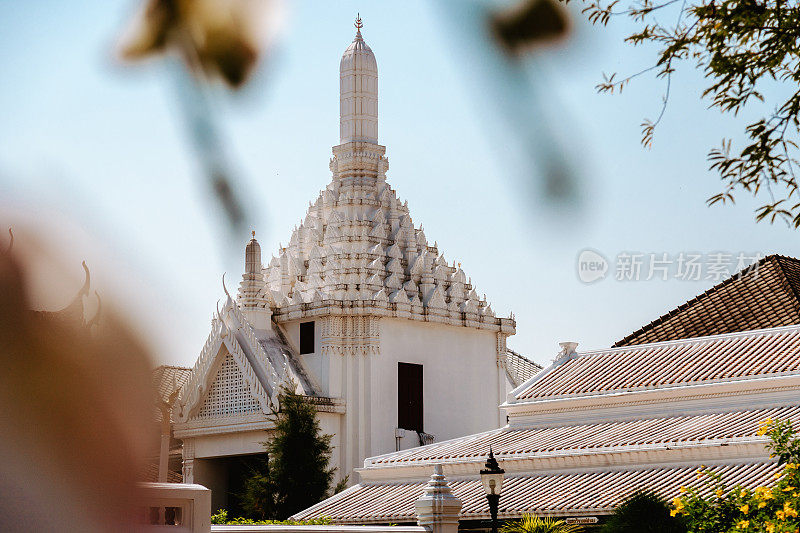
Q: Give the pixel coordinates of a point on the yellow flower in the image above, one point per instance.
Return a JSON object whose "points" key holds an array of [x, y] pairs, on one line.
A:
{"points": [[743, 494], [743, 524], [781, 515], [761, 505], [673, 512], [684, 490], [719, 493], [770, 527], [787, 509], [791, 466], [788, 488], [764, 426], [745, 508]]}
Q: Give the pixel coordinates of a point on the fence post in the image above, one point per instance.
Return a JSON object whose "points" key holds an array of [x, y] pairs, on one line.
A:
{"points": [[438, 510]]}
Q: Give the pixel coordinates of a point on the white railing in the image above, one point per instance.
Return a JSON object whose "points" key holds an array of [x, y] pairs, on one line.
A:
{"points": [[172, 507]]}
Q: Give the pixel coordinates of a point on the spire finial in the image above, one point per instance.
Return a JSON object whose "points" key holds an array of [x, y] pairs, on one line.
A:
{"points": [[253, 233], [358, 23]]}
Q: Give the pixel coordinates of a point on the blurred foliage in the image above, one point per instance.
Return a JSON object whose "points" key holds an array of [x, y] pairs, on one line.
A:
{"points": [[749, 51], [212, 36], [528, 23], [216, 40]]}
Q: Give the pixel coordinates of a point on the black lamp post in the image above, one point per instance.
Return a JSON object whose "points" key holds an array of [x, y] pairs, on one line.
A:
{"points": [[492, 479]]}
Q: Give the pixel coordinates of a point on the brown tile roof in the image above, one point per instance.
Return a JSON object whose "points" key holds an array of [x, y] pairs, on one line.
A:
{"points": [[765, 295], [544, 493], [723, 358], [599, 437]]}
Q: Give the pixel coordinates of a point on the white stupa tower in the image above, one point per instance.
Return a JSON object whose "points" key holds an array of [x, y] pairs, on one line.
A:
{"points": [[361, 311], [358, 92]]}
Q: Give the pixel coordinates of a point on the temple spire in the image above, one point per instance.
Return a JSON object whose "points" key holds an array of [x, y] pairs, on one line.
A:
{"points": [[358, 92]]}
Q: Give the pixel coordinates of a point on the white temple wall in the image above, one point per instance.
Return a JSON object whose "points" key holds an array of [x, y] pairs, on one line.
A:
{"points": [[460, 379], [462, 385], [316, 363]]}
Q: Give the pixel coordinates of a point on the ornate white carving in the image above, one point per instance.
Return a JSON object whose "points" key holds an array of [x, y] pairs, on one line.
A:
{"points": [[350, 335], [228, 394]]}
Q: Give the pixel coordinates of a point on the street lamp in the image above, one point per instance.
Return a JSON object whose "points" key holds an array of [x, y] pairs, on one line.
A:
{"points": [[492, 479]]}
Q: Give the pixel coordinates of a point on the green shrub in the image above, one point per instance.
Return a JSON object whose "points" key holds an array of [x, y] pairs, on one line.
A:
{"points": [[296, 474], [643, 512], [221, 517], [534, 524]]}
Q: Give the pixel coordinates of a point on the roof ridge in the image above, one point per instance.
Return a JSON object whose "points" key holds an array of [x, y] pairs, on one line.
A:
{"points": [[750, 332], [787, 281]]}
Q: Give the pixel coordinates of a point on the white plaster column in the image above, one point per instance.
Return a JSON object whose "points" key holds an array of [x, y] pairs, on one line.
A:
{"points": [[438, 510], [188, 460]]}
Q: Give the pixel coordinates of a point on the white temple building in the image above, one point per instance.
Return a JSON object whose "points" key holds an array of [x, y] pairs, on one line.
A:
{"points": [[364, 314]]}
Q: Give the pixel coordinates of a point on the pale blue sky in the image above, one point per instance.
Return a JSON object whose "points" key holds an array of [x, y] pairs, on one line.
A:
{"points": [[85, 139]]}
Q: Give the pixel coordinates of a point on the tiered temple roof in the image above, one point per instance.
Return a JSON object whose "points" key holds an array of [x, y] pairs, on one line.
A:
{"points": [[358, 245], [357, 249]]}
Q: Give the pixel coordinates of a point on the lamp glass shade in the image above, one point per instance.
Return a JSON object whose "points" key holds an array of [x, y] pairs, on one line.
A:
{"points": [[492, 482]]}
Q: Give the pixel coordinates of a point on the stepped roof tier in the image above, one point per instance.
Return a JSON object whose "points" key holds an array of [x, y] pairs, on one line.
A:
{"points": [[666, 365], [594, 427], [357, 250], [562, 494], [763, 295]]}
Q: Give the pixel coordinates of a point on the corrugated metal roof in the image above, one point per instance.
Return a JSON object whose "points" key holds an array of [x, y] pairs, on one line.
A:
{"points": [[686, 362], [509, 443], [558, 493]]}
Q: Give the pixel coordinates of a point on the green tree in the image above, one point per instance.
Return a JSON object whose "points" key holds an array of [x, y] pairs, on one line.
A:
{"points": [[749, 51], [643, 512], [534, 524], [296, 474]]}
